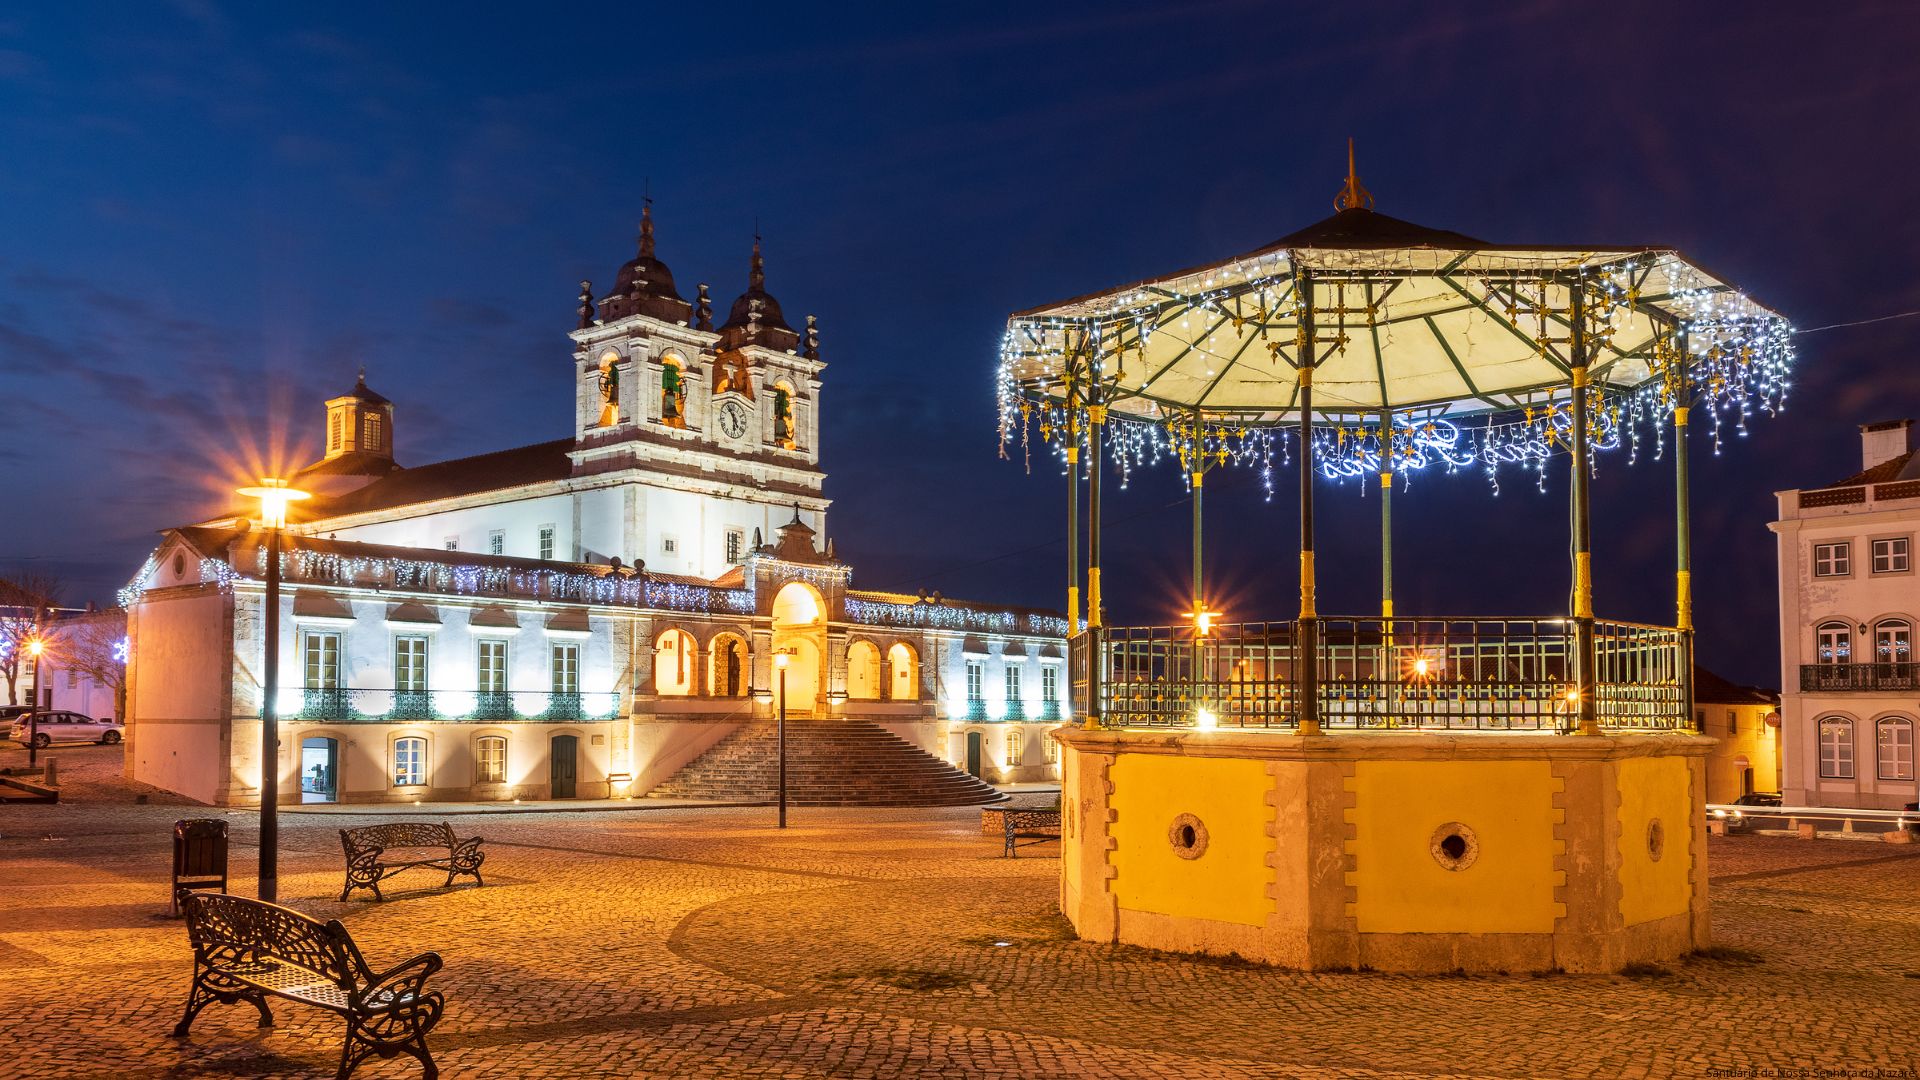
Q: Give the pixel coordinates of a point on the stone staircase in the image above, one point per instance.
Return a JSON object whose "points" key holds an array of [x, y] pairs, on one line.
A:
{"points": [[829, 763]]}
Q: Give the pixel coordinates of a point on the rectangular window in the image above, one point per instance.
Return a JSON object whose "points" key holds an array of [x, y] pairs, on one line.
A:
{"points": [[670, 545], [546, 541], [492, 667], [374, 437], [1836, 750], [1891, 556], [452, 543], [566, 668], [410, 664], [736, 545], [1896, 750], [409, 762], [1049, 683], [497, 542], [1733, 722], [334, 429], [976, 678], [1052, 747], [321, 652], [1700, 721], [490, 761], [1832, 560], [1016, 747], [1013, 685]]}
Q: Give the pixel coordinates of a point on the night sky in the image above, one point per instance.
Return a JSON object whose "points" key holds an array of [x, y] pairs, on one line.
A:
{"points": [[212, 216]]}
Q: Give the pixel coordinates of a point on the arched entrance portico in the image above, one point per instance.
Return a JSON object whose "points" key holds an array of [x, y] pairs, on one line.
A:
{"points": [[799, 631]]}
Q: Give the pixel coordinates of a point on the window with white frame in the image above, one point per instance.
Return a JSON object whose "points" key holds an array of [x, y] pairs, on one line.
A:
{"points": [[497, 542], [1052, 747], [1836, 748], [1016, 747], [410, 663], [566, 667], [1013, 685], [409, 762], [976, 680], [1833, 560], [490, 760], [1833, 643], [736, 545], [1893, 641], [546, 541], [1892, 555], [491, 666], [670, 545], [320, 653], [1049, 682], [452, 543], [1896, 748]]}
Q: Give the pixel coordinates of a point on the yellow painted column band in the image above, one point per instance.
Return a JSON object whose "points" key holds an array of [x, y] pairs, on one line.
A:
{"points": [[1093, 597], [1683, 584], [1580, 377], [1306, 376], [1680, 416], [1073, 455], [1097, 413], [1073, 610], [1386, 611], [1306, 585], [1386, 480], [1583, 585], [1198, 477]]}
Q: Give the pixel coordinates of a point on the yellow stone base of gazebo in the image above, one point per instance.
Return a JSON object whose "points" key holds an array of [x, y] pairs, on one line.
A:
{"points": [[1410, 852]]}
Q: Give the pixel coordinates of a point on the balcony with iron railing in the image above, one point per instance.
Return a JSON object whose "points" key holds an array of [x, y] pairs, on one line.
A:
{"points": [[1477, 674], [374, 705], [1896, 676]]}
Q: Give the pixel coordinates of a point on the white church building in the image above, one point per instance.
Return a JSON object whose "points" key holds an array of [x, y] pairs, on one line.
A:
{"points": [[593, 617]]}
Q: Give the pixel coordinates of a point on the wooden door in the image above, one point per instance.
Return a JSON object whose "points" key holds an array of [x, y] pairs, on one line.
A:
{"points": [[563, 767]]}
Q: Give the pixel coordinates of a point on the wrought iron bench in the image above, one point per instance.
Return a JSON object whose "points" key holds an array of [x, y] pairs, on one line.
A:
{"points": [[248, 950], [377, 852], [1033, 826]]}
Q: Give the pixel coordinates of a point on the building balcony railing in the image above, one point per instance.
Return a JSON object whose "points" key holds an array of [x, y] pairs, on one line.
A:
{"points": [[1844, 678], [361, 705], [983, 711], [1421, 673]]}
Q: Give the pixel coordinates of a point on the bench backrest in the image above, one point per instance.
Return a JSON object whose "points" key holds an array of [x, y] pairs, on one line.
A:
{"points": [[233, 930], [199, 848], [394, 834]]}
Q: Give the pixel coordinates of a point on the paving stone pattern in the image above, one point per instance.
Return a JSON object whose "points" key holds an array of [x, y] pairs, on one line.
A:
{"points": [[884, 943]]}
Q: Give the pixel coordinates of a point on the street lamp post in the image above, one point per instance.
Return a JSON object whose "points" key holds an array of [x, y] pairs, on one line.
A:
{"points": [[274, 495], [780, 661], [34, 648]]}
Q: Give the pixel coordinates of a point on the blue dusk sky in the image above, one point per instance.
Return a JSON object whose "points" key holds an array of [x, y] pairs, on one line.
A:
{"points": [[212, 215]]}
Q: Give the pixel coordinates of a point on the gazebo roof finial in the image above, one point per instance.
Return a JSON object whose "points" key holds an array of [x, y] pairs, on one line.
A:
{"points": [[1353, 196]]}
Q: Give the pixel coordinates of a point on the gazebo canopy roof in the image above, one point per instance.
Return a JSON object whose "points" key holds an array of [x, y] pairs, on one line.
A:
{"points": [[1406, 318]]}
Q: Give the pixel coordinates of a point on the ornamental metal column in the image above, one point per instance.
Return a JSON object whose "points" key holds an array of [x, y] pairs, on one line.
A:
{"points": [[1073, 505], [1584, 657], [1096, 660], [1683, 518], [1307, 679], [1389, 667]]}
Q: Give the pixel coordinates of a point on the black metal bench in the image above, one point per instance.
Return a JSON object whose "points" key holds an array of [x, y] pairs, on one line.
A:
{"points": [[248, 950], [1033, 826], [377, 852]]}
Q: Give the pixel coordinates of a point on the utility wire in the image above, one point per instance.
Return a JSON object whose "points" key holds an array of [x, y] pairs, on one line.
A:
{"points": [[1860, 322]]}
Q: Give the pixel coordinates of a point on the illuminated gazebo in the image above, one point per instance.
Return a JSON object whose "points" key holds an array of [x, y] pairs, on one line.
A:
{"points": [[1365, 346]]}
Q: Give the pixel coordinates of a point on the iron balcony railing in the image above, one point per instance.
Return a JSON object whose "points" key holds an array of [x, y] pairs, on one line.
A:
{"points": [[360, 705], [1830, 678], [1424, 673]]}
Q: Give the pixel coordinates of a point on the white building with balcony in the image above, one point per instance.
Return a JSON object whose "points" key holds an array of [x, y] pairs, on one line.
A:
{"points": [[591, 617], [1849, 601]]}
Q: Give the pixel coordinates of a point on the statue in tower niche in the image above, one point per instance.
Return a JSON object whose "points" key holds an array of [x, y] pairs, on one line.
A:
{"points": [[609, 394], [673, 395]]}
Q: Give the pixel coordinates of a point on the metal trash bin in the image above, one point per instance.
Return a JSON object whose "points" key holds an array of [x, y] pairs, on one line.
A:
{"points": [[199, 859]]}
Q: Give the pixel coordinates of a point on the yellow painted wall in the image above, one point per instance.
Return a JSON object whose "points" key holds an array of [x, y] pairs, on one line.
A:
{"points": [[1654, 789], [1750, 737], [1401, 888], [1229, 882], [1071, 827]]}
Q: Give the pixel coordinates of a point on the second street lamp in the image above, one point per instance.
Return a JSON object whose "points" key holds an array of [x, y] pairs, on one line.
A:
{"points": [[274, 496], [780, 661], [34, 648]]}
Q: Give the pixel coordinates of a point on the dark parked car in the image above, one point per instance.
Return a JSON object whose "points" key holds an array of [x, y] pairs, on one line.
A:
{"points": [[1758, 798]]}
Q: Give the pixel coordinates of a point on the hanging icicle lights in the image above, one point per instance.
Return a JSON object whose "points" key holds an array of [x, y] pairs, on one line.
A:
{"points": [[1468, 351]]}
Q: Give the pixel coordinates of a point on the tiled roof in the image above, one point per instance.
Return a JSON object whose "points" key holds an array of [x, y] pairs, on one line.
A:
{"points": [[1904, 467], [519, 467], [1711, 689]]}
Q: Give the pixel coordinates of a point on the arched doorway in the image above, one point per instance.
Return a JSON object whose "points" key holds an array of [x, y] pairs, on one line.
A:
{"points": [[799, 631], [319, 770]]}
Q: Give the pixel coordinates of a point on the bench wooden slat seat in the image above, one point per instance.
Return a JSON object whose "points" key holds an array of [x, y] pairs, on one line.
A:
{"points": [[249, 950], [377, 852], [1033, 826]]}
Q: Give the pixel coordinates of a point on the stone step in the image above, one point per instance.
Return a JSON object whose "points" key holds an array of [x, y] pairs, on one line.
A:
{"points": [[829, 763]]}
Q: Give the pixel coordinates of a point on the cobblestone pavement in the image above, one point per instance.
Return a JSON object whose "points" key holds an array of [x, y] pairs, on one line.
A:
{"points": [[881, 943]]}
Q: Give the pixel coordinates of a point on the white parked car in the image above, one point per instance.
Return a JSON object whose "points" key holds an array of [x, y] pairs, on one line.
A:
{"points": [[60, 726]]}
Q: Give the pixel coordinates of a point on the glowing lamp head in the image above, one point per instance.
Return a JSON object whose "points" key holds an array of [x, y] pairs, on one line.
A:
{"points": [[1422, 666], [37, 646], [782, 659], [1573, 695], [1205, 720], [275, 496]]}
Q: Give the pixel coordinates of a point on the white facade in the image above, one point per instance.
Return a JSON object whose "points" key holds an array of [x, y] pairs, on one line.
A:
{"points": [[1849, 606]]}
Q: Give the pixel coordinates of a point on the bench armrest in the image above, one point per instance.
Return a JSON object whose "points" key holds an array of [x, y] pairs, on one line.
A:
{"points": [[466, 847], [366, 857], [406, 981]]}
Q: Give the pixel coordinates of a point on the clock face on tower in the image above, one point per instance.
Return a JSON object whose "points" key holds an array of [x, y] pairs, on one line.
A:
{"points": [[733, 419]]}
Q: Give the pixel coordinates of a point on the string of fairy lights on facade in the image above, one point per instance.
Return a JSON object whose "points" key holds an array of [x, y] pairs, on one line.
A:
{"points": [[1711, 348]]}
